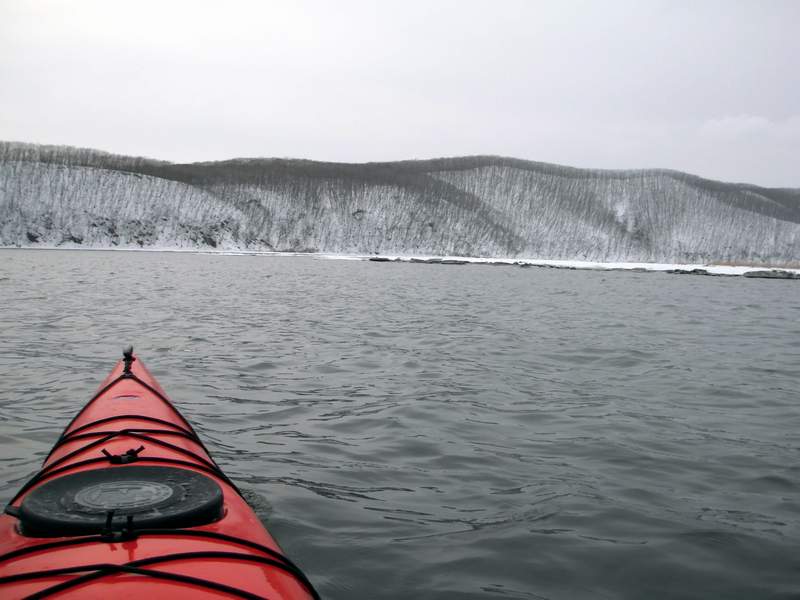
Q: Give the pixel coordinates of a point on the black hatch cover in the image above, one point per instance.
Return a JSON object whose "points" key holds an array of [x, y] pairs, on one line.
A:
{"points": [[156, 497]]}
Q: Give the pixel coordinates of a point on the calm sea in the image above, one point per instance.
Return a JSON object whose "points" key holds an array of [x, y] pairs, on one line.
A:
{"points": [[431, 431]]}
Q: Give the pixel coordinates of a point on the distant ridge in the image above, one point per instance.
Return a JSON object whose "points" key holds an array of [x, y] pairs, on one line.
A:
{"points": [[468, 206]]}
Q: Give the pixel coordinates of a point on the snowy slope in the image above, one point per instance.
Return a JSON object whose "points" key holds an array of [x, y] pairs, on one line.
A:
{"points": [[474, 206]]}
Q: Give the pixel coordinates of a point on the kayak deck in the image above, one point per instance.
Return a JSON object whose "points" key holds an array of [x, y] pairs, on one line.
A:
{"points": [[129, 501]]}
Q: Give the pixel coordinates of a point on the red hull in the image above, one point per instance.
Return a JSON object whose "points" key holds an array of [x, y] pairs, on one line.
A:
{"points": [[234, 553]]}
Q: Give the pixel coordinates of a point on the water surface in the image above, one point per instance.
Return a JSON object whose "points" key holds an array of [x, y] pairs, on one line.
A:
{"points": [[437, 431]]}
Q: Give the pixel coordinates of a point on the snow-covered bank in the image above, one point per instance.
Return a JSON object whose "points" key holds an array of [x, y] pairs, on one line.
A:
{"points": [[688, 269], [672, 268]]}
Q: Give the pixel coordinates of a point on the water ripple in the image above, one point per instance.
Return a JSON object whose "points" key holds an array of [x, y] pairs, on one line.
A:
{"points": [[443, 433]]}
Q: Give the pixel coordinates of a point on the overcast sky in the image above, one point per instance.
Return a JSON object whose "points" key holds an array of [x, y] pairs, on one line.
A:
{"points": [[711, 88]]}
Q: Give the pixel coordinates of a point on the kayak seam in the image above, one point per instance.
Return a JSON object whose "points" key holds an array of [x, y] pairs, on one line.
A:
{"points": [[130, 433], [72, 434], [104, 569], [111, 569], [126, 376], [188, 432], [201, 533], [161, 396], [143, 533], [87, 435]]}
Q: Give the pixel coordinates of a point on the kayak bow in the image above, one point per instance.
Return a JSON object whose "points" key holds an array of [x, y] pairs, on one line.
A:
{"points": [[130, 504]]}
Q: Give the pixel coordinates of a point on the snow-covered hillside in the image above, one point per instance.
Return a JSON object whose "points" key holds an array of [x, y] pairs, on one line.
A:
{"points": [[474, 206]]}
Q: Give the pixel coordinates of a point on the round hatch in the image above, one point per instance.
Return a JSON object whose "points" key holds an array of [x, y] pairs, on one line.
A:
{"points": [[104, 499]]}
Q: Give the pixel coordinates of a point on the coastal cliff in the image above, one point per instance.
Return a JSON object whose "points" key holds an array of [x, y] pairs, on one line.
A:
{"points": [[470, 206]]}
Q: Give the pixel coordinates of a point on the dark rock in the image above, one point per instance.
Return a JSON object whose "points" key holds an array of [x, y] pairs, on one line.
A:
{"points": [[379, 259], [209, 240], [453, 261], [688, 272], [32, 237], [772, 274]]}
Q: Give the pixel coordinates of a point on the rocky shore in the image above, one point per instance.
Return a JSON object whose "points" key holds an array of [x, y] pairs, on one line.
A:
{"points": [[708, 270]]}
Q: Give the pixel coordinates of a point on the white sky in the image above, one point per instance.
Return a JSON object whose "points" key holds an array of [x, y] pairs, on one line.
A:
{"points": [[708, 87]]}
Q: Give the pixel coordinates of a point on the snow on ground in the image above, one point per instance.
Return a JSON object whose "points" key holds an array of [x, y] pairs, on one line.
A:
{"points": [[535, 262], [572, 264]]}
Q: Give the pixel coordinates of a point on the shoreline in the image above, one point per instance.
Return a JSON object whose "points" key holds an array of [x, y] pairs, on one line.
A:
{"points": [[748, 271]]}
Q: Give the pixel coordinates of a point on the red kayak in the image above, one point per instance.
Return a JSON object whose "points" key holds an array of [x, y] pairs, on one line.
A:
{"points": [[129, 504]]}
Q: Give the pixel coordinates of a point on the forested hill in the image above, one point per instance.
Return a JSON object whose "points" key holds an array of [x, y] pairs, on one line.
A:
{"points": [[471, 206]]}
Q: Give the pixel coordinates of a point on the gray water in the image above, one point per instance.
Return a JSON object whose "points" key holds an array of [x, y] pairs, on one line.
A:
{"points": [[430, 431]]}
